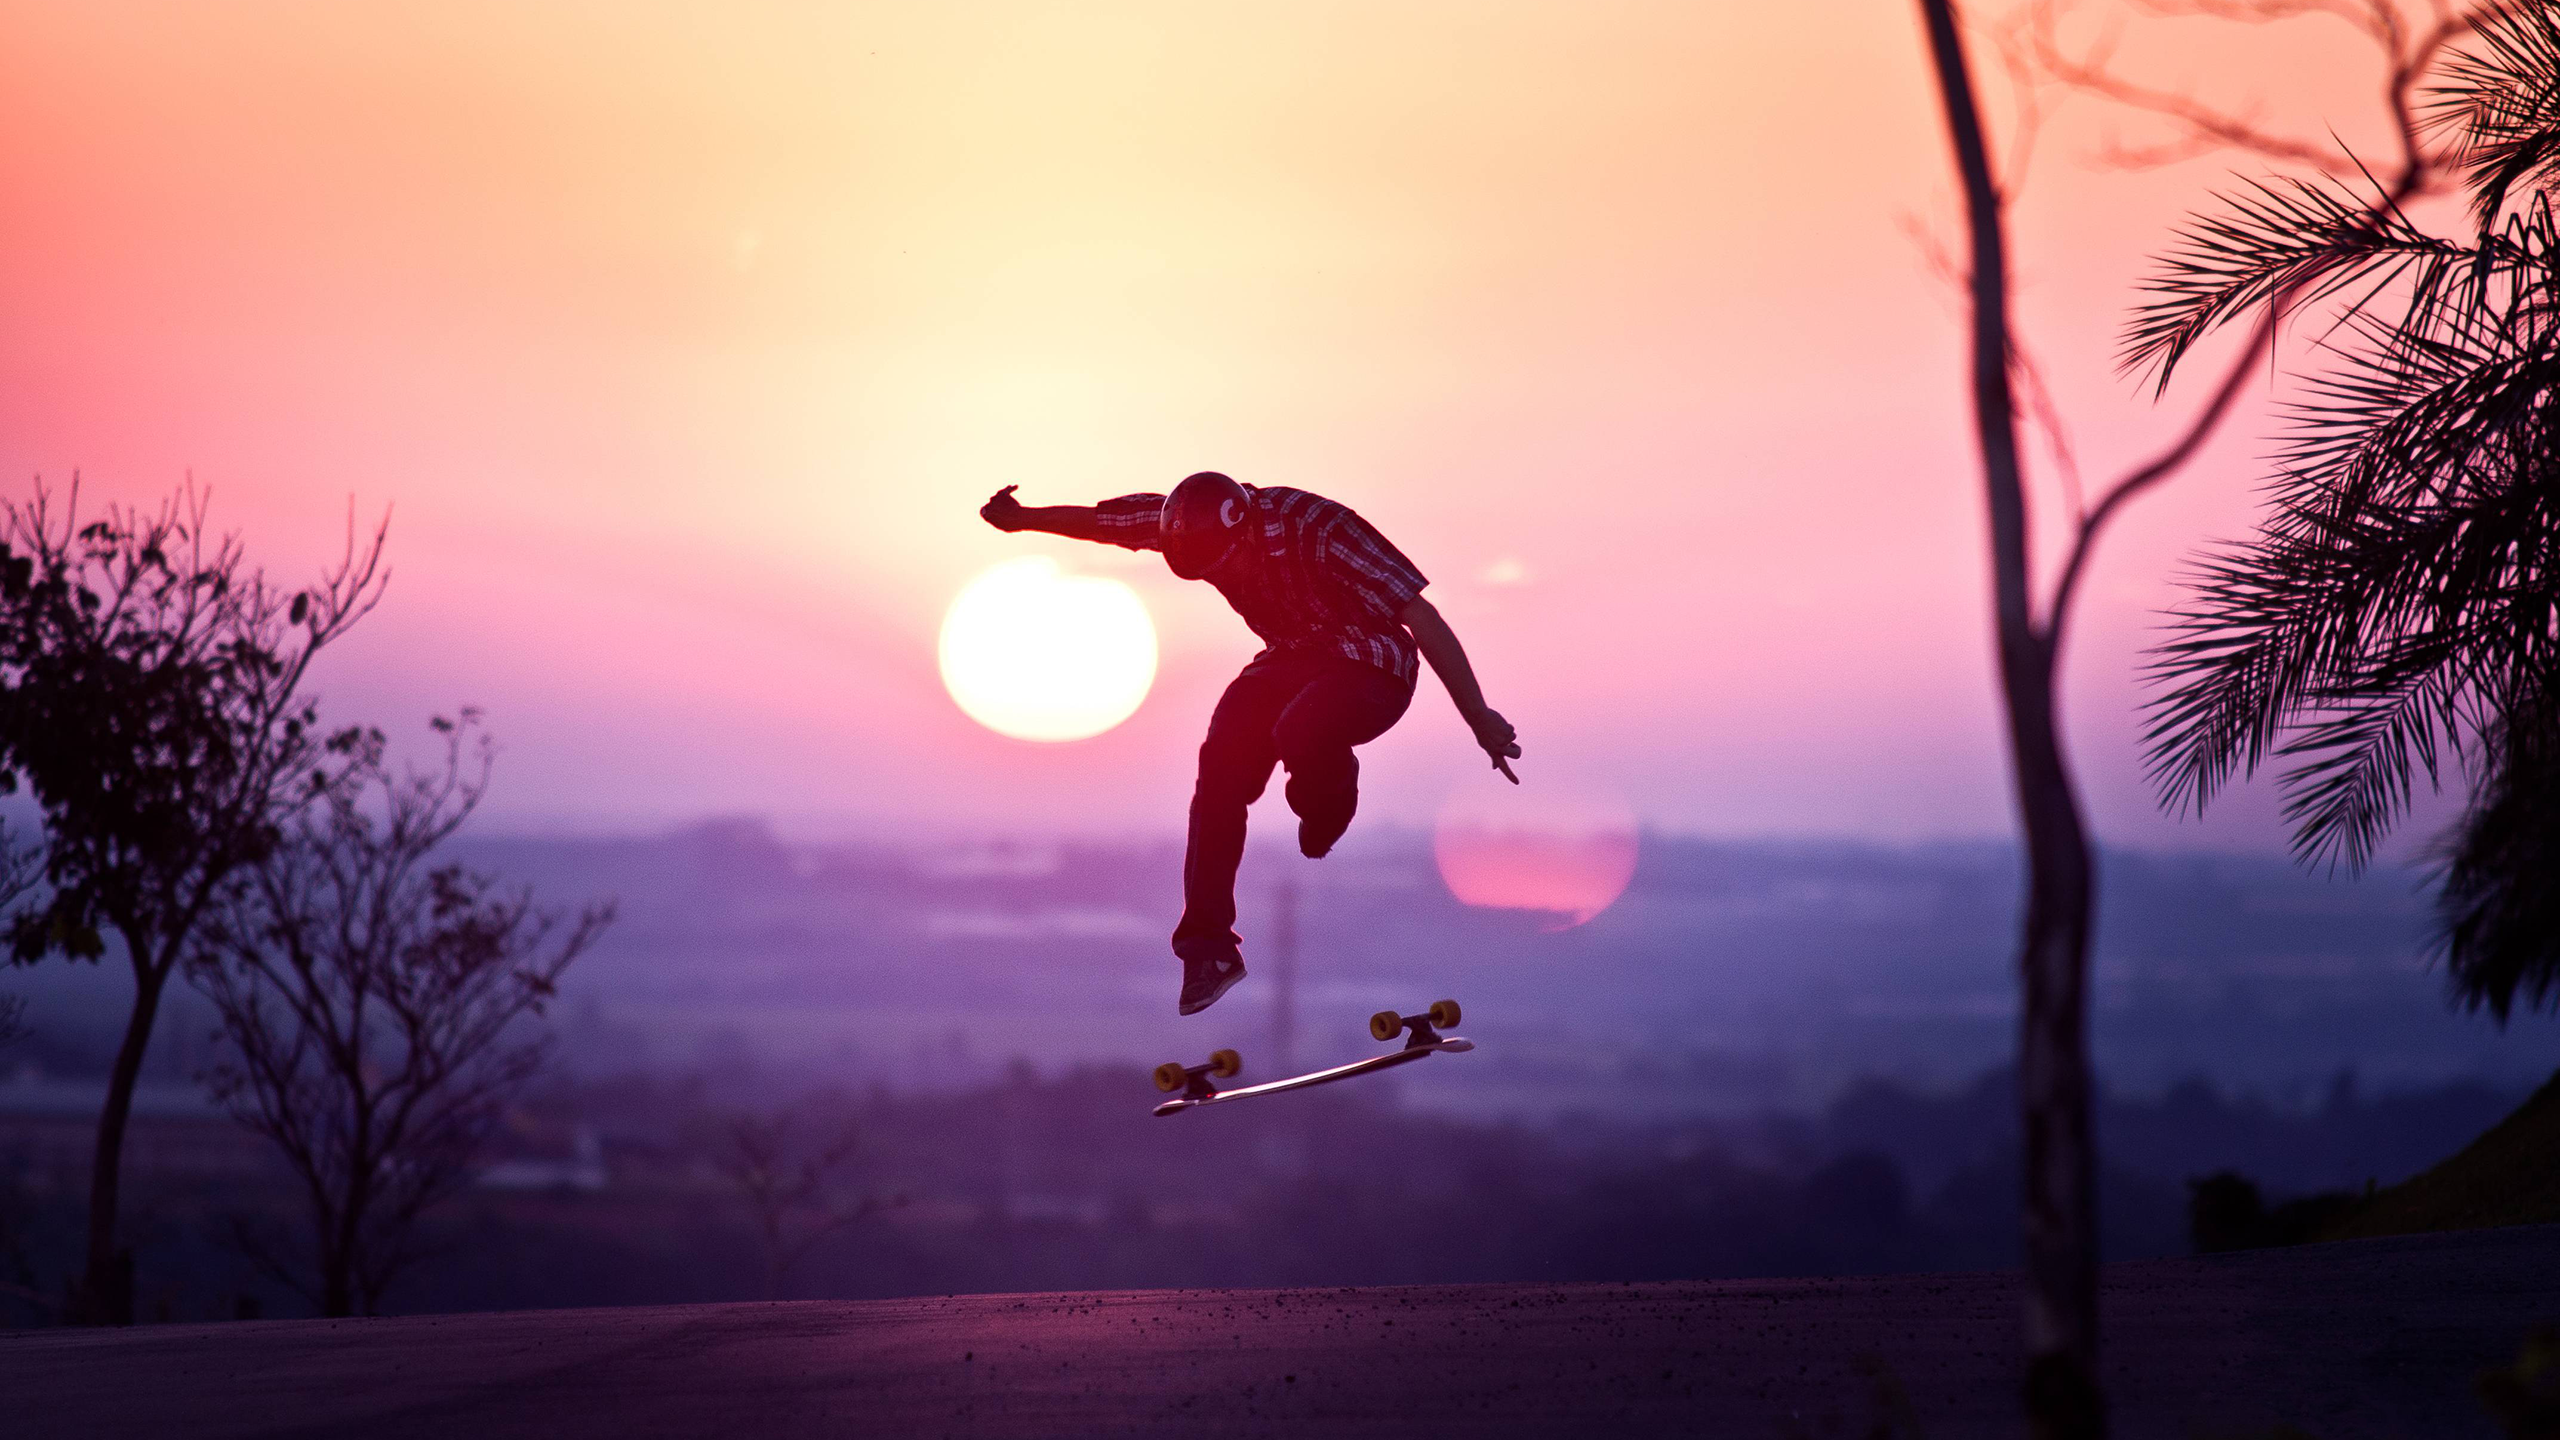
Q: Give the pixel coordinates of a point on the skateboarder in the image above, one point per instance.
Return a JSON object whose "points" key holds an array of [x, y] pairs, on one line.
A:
{"points": [[1341, 615]]}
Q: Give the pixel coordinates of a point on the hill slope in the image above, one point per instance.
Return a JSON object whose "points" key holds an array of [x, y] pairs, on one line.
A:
{"points": [[2509, 1176]]}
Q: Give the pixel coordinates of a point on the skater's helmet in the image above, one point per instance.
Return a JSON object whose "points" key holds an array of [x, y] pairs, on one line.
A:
{"points": [[1204, 517]]}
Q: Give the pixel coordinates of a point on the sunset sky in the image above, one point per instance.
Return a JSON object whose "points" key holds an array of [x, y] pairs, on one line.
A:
{"points": [[682, 343]]}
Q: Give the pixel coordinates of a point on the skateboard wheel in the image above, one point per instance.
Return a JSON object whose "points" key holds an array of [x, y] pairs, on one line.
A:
{"points": [[1385, 1025], [1225, 1063], [1170, 1075], [1444, 1014]]}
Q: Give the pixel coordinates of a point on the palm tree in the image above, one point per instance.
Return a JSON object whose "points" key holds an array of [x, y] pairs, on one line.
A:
{"points": [[2398, 613], [2500, 902]]}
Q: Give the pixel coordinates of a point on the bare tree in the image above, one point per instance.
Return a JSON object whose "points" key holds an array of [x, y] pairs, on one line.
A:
{"points": [[790, 1181], [371, 998], [2060, 1208], [154, 707]]}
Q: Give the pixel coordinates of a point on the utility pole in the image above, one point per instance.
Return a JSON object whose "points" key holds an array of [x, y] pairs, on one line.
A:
{"points": [[1284, 990], [1282, 1147]]}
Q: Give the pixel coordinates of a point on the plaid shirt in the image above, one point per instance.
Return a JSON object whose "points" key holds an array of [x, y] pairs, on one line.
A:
{"points": [[1328, 583]]}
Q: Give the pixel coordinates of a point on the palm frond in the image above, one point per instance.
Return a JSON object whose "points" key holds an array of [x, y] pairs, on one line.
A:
{"points": [[2408, 570], [2228, 675], [2277, 241], [2359, 756], [2498, 901], [2399, 608], [2501, 95], [2265, 621]]}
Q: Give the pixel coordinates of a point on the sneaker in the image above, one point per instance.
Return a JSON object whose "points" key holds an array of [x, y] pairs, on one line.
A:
{"points": [[1206, 976], [1315, 840], [1322, 814]]}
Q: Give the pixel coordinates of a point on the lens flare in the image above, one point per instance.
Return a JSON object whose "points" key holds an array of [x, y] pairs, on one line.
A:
{"points": [[1566, 854], [1032, 652]]}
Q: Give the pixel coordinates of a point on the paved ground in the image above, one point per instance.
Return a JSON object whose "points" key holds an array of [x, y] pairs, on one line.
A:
{"points": [[2370, 1338]]}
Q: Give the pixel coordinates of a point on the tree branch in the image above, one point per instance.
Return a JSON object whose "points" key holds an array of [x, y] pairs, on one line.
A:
{"points": [[399, 984], [2205, 128], [2150, 473]]}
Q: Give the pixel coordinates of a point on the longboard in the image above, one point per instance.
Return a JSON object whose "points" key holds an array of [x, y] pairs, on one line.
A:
{"points": [[1421, 1039]]}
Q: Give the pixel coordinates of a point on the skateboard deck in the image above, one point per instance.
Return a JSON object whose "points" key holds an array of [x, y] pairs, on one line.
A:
{"points": [[1420, 1040], [1451, 1043]]}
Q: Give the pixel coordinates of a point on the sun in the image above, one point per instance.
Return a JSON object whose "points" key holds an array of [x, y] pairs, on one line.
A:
{"points": [[1562, 852], [1035, 653]]}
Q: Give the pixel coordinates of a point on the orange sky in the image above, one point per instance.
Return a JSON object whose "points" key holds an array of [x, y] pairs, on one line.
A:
{"points": [[684, 341]]}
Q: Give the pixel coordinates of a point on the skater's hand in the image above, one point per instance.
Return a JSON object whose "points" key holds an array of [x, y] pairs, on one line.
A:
{"points": [[1003, 511], [1498, 739]]}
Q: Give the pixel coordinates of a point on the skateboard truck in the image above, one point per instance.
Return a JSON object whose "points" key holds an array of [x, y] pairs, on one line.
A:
{"points": [[1193, 1080], [1418, 1028]]}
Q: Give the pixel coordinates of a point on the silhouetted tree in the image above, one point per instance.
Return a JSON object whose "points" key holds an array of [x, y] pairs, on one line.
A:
{"points": [[151, 700], [2499, 905], [368, 996], [2226, 1212], [789, 1175], [2400, 608], [19, 865], [2053, 1064]]}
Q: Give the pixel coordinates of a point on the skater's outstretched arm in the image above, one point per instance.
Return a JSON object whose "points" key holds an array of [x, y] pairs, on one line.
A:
{"points": [[1439, 645], [1129, 521]]}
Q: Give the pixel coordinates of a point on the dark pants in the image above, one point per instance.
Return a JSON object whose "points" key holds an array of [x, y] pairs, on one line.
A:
{"points": [[1304, 712]]}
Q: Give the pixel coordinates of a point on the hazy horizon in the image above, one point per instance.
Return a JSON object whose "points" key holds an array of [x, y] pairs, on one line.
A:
{"points": [[2406, 856]]}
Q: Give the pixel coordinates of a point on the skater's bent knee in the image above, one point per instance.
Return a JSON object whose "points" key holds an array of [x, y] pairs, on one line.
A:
{"points": [[1218, 787], [1310, 757]]}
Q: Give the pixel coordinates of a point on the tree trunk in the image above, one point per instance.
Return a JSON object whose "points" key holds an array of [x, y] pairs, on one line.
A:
{"points": [[342, 1234], [337, 1284], [2062, 1398], [2053, 1075], [106, 1296]]}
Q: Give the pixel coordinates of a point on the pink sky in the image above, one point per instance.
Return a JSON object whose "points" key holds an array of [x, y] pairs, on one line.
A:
{"points": [[684, 341]]}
